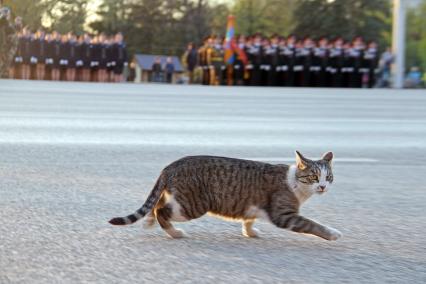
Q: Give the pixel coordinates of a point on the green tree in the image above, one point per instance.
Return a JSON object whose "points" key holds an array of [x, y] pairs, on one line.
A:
{"points": [[416, 37], [67, 15], [31, 11], [265, 16], [349, 18]]}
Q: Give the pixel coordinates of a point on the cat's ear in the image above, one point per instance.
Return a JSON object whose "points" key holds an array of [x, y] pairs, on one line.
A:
{"points": [[300, 161], [328, 157]]}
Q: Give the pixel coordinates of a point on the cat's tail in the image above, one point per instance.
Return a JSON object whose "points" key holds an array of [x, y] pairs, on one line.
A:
{"points": [[150, 203]]}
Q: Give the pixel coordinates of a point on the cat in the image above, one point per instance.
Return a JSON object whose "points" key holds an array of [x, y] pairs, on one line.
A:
{"points": [[237, 189]]}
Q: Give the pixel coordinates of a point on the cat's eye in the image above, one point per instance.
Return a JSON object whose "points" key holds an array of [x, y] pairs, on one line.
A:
{"points": [[313, 178]]}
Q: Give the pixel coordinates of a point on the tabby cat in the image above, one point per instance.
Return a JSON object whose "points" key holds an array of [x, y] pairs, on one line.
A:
{"points": [[238, 189]]}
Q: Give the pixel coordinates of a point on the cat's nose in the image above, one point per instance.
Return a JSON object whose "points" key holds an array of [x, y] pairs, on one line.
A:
{"points": [[322, 187]]}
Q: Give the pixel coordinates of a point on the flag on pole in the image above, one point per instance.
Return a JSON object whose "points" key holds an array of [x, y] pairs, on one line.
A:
{"points": [[231, 46], [230, 41]]}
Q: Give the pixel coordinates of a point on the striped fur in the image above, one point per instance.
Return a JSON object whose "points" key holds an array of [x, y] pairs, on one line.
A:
{"points": [[237, 189]]}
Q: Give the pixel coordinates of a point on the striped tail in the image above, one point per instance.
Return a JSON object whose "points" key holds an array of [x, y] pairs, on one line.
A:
{"points": [[151, 201]]}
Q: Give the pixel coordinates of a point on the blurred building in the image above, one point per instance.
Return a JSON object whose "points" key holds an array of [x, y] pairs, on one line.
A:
{"points": [[144, 63]]}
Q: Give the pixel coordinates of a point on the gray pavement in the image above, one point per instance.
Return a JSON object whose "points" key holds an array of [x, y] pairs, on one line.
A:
{"points": [[74, 154]]}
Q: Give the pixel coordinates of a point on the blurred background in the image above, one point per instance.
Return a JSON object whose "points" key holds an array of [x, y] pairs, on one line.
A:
{"points": [[165, 28]]}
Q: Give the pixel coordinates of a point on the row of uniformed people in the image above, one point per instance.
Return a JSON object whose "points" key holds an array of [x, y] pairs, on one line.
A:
{"points": [[279, 61], [69, 57]]}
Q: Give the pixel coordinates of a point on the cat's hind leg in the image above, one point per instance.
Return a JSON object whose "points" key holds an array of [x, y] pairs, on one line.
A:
{"points": [[248, 230], [149, 220], [170, 210], [164, 215]]}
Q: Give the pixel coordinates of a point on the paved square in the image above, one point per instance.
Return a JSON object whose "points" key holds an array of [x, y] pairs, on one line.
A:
{"points": [[75, 154]]}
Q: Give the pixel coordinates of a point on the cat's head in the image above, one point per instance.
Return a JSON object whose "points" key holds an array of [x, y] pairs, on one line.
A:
{"points": [[317, 174]]}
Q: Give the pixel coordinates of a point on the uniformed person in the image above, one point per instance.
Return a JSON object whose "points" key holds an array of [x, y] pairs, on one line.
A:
{"points": [[289, 55], [64, 58], [40, 54], [272, 61], [79, 61], [26, 53], [56, 66], [86, 57], [301, 67], [307, 52], [370, 62], [120, 57], [265, 67], [50, 56], [110, 60], [239, 67], [254, 53], [18, 59], [217, 64], [335, 64], [95, 58], [319, 63], [103, 60], [356, 54]]}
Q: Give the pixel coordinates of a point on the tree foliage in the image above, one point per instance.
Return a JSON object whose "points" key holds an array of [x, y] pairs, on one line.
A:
{"points": [[265, 16], [348, 18], [416, 36]]}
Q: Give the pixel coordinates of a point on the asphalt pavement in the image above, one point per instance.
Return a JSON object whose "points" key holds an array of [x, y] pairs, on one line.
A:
{"points": [[73, 155]]}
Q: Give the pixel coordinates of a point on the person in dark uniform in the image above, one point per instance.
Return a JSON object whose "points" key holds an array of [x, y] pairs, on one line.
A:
{"points": [[319, 63], [347, 68], [289, 55], [248, 68], [356, 54], [265, 67], [18, 60], [110, 60], [79, 58], [299, 63], [95, 58], [191, 61], [335, 64], [72, 57], [103, 60], [49, 56], [26, 53], [41, 55], [238, 66], [34, 51], [86, 53], [254, 53], [120, 57], [272, 61], [56, 67], [64, 58], [369, 64], [307, 51]]}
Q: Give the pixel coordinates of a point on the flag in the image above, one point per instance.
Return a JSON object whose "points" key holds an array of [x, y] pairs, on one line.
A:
{"points": [[230, 40], [231, 46]]}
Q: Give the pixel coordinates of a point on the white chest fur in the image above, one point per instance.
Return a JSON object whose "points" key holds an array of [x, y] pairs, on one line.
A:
{"points": [[300, 190]]}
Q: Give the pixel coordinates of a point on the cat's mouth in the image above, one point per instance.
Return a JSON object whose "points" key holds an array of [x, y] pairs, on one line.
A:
{"points": [[321, 191]]}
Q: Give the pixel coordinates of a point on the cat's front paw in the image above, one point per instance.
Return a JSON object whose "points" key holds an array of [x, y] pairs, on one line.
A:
{"points": [[333, 234], [252, 233]]}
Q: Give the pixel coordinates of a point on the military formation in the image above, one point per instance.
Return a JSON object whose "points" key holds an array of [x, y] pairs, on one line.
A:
{"points": [[55, 56], [290, 61]]}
